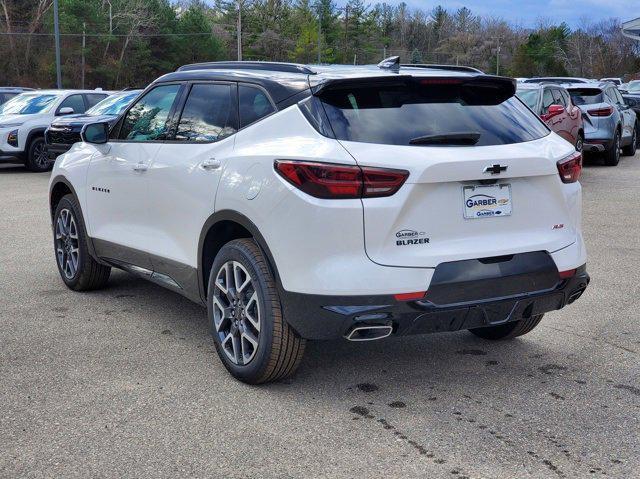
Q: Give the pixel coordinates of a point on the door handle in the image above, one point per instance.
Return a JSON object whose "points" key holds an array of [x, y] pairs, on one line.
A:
{"points": [[141, 167], [210, 164]]}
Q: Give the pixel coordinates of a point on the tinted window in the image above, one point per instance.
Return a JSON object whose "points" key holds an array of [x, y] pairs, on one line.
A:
{"points": [[147, 119], [396, 114], [94, 98], [254, 105], [207, 115], [74, 101], [586, 96], [6, 96]]}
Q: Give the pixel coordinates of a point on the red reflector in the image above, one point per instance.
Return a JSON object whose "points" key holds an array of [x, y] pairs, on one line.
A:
{"points": [[567, 274], [570, 167], [409, 296], [331, 181], [606, 111]]}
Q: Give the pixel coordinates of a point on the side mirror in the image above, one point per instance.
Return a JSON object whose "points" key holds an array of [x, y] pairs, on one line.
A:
{"points": [[96, 133], [555, 110], [67, 110]]}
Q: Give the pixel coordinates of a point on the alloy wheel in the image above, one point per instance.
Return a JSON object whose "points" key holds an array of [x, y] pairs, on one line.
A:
{"points": [[579, 143], [67, 244], [236, 312], [40, 155]]}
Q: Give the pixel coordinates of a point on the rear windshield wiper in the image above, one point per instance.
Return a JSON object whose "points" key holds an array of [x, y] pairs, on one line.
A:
{"points": [[467, 138]]}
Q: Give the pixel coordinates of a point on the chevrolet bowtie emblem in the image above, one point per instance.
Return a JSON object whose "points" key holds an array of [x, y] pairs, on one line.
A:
{"points": [[495, 169]]}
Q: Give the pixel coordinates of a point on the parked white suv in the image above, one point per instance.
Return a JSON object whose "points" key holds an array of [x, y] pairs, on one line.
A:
{"points": [[324, 202], [24, 118]]}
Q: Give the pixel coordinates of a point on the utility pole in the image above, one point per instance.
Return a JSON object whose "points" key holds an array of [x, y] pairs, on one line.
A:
{"points": [[84, 44], [319, 35], [56, 31], [498, 58], [239, 28]]}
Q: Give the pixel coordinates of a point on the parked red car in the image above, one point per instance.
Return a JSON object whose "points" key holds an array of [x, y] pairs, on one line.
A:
{"points": [[553, 104]]}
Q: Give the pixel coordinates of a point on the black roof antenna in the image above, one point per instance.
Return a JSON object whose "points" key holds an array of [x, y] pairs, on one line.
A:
{"points": [[391, 63]]}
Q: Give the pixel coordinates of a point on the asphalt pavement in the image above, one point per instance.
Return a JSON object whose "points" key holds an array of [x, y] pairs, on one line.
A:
{"points": [[125, 382]]}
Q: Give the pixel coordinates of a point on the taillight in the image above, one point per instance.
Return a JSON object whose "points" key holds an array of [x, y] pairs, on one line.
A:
{"points": [[570, 167], [606, 111], [331, 181]]}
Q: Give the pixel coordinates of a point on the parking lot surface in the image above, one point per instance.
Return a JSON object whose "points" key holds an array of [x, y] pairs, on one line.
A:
{"points": [[125, 381]]}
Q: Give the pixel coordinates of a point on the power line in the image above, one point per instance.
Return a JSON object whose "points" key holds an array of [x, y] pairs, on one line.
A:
{"points": [[109, 34]]}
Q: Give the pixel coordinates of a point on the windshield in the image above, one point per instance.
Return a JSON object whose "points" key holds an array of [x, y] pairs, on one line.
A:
{"points": [[420, 114], [585, 96], [634, 86], [28, 103], [529, 97], [113, 105]]}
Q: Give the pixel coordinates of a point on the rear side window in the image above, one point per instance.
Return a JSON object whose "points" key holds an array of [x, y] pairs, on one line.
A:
{"points": [[401, 114], [94, 98], [586, 96], [547, 100], [207, 115], [529, 97], [558, 99], [254, 104]]}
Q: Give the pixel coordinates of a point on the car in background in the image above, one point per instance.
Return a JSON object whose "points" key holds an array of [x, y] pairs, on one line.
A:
{"points": [[559, 80], [8, 92], [553, 105], [64, 132], [634, 103], [615, 81], [633, 87], [609, 123], [25, 117]]}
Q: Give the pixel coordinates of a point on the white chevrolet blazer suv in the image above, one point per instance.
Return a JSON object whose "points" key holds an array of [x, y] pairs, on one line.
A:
{"points": [[323, 202]]}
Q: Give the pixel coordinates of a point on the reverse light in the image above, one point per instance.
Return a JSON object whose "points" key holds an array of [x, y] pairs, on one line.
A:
{"points": [[606, 111], [332, 181], [570, 167], [570, 273], [410, 296], [12, 138]]}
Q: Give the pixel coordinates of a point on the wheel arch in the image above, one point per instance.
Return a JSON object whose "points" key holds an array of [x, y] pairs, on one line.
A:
{"points": [[220, 228], [60, 187], [36, 132]]}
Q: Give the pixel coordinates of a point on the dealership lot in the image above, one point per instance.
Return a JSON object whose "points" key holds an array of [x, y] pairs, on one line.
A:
{"points": [[125, 381]]}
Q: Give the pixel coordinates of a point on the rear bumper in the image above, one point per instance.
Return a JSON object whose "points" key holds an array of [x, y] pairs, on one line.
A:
{"points": [[473, 299]]}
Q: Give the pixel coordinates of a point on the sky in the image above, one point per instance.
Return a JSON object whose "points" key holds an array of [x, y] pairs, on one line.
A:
{"points": [[527, 12]]}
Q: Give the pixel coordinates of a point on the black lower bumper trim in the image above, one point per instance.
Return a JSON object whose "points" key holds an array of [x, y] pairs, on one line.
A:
{"points": [[331, 317]]}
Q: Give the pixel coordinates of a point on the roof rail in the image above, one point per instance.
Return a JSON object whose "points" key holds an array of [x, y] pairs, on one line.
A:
{"points": [[435, 66], [250, 65]]}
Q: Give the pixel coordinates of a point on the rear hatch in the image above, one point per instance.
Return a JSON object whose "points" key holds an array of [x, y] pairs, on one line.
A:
{"points": [[482, 180], [588, 99]]}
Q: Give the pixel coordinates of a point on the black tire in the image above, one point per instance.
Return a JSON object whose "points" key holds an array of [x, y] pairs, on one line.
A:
{"points": [[612, 155], [37, 158], [630, 149], [279, 348], [509, 330], [88, 274]]}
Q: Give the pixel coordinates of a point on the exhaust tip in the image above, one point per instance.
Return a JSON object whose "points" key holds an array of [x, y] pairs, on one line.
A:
{"points": [[369, 332]]}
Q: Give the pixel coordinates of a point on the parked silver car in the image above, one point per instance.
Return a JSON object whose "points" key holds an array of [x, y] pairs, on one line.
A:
{"points": [[609, 123]]}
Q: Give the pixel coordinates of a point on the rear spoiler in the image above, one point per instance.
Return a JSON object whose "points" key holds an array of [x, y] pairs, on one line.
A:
{"points": [[473, 90]]}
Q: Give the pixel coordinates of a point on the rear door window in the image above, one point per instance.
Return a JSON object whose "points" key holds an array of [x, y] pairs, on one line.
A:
{"points": [[547, 100], [208, 114], [400, 114], [94, 98], [558, 99], [254, 105]]}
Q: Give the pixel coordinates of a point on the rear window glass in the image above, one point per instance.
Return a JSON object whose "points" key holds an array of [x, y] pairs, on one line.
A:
{"points": [[399, 113], [586, 96]]}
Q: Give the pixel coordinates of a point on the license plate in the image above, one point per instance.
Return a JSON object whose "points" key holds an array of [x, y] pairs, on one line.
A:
{"points": [[482, 201]]}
